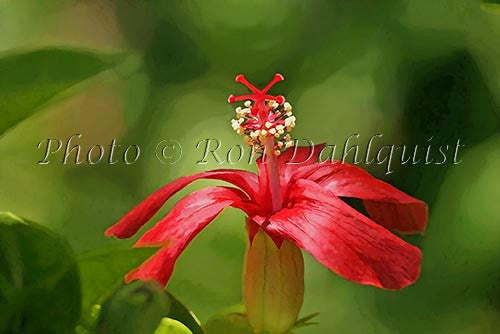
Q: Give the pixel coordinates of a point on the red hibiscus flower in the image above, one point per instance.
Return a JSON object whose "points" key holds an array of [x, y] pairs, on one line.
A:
{"points": [[293, 198]]}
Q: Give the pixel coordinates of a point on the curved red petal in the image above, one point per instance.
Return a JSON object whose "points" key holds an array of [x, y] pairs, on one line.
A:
{"points": [[138, 216], [344, 240], [157, 268], [189, 216], [173, 233], [387, 205]]}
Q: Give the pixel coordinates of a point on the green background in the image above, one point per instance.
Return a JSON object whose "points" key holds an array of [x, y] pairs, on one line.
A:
{"points": [[143, 71]]}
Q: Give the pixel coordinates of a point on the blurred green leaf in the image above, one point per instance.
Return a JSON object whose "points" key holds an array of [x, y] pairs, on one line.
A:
{"points": [[491, 6], [166, 64], [458, 289], [205, 33], [102, 272], [39, 282], [447, 100], [234, 323], [138, 20], [171, 326], [29, 80], [136, 308]]}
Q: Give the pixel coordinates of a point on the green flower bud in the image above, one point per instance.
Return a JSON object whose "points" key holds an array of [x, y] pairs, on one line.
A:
{"points": [[273, 284]]}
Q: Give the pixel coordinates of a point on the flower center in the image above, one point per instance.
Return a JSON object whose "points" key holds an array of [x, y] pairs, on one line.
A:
{"points": [[263, 116]]}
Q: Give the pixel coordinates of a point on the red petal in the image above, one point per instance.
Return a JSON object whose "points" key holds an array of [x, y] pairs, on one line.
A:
{"points": [[253, 228], [174, 232], [344, 240], [386, 204], [138, 216], [157, 268], [300, 155], [189, 216]]}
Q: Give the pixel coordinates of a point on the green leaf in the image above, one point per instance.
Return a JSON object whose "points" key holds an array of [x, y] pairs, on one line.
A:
{"points": [[39, 281], [102, 273], [304, 321], [178, 311], [234, 323], [30, 80], [171, 326]]}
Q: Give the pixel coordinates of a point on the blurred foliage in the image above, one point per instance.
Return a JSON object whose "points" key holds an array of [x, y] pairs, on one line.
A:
{"points": [[102, 272], [459, 287], [160, 69], [447, 100], [39, 281], [491, 6], [145, 308], [106, 302], [31, 79], [136, 308]]}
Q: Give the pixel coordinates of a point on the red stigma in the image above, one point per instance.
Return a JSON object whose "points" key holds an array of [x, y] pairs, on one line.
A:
{"points": [[265, 118], [259, 96]]}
